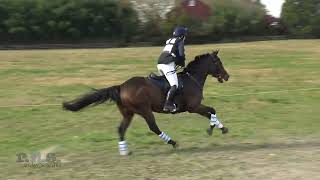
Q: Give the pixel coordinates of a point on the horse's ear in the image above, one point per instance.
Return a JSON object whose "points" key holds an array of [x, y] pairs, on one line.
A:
{"points": [[215, 52]]}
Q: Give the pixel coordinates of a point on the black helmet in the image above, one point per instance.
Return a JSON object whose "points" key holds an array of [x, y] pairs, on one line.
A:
{"points": [[180, 31]]}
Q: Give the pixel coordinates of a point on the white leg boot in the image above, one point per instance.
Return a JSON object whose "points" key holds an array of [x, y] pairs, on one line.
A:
{"points": [[214, 121], [123, 148]]}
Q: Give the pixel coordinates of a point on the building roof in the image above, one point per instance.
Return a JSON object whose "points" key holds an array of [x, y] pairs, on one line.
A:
{"points": [[196, 8]]}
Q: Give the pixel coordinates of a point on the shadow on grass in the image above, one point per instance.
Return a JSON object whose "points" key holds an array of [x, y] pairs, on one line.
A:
{"points": [[241, 147]]}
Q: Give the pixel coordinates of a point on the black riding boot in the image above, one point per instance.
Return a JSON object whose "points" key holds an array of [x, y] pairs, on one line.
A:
{"points": [[168, 105]]}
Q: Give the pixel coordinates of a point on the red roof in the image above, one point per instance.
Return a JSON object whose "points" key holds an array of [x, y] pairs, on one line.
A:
{"points": [[196, 9], [271, 19]]}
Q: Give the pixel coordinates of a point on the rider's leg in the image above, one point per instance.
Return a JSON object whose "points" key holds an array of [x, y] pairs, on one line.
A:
{"points": [[169, 105], [171, 75]]}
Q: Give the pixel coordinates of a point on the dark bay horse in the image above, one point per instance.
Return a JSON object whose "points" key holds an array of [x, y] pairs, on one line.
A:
{"points": [[141, 96]]}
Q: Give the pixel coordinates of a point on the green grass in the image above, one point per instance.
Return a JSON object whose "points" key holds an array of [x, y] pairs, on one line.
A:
{"points": [[272, 135]]}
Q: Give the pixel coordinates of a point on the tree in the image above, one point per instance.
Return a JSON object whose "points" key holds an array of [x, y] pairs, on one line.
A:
{"points": [[67, 19], [232, 18], [302, 17]]}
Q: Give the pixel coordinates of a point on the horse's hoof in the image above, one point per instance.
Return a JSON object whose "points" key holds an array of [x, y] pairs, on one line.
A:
{"points": [[175, 146], [209, 131], [224, 130], [125, 153]]}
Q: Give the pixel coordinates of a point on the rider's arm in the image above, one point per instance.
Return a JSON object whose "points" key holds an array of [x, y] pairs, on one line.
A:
{"points": [[181, 49], [181, 57]]}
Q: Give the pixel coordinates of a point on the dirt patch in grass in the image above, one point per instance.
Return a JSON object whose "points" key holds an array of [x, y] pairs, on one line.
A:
{"points": [[275, 160]]}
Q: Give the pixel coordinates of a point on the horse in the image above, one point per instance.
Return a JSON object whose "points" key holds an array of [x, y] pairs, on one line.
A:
{"points": [[143, 96]]}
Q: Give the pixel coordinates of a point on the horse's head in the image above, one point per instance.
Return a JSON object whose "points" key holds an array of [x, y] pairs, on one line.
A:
{"points": [[216, 68]]}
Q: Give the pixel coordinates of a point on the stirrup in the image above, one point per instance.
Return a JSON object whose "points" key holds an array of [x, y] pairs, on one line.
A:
{"points": [[174, 109]]}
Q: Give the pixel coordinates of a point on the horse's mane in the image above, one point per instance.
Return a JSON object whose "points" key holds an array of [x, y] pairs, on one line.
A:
{"points": [[196, 62]]}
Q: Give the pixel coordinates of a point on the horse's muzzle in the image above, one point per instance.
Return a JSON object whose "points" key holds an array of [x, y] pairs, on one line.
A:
{"points": [[225, 78]]}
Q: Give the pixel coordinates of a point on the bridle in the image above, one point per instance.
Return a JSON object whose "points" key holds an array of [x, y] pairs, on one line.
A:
{"points": [[215, 62]]}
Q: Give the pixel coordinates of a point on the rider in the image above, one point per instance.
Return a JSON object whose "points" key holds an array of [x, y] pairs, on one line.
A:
{"points": [[172, 55]]}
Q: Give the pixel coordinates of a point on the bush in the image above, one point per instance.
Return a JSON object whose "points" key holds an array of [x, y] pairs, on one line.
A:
{"points": [[302, 17], [66, 19]]}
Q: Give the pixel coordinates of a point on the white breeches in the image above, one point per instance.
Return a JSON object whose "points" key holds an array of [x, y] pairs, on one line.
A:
{"points": [[170, 72]]}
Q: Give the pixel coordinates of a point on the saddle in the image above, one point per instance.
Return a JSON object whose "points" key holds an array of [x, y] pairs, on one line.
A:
{"points": [[163, 83]]}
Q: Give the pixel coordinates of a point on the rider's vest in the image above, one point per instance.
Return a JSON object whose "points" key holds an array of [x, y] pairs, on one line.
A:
{"points": [[170, 47], [170, 51]]}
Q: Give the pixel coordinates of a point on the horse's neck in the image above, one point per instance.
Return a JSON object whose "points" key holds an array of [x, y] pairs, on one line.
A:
{"points": [[200, 76]]}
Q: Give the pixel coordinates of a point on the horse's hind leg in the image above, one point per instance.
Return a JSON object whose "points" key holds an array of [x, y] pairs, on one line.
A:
{"points": [[127, 117], [149, 117], [210, 113]]}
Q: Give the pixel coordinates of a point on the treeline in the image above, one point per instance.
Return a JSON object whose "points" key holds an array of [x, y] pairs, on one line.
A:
{"points": [[118, 21], [229, 19], [302, 17], [25, 20]]}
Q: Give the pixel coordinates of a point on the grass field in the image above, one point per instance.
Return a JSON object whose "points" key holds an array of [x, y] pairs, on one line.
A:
{"points": [[274, 133]]}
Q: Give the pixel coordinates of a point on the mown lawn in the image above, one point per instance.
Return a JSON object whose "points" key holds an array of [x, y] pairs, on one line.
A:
{"points": [[270, 105]]}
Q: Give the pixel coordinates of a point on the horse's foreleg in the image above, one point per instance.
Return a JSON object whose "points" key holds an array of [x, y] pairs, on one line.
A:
{"points": [[127, 117], [210, 113], [149, 117]]}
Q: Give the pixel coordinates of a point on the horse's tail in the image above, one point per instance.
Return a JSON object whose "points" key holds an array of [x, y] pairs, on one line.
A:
{"points": [[96, 97]]}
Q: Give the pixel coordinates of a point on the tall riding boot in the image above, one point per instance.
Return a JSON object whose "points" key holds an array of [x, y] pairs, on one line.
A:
{"points": [[168, 105]]}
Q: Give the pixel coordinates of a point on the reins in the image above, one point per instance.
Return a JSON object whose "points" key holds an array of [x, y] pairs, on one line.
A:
{"points": [[194, 79], [178, 68]]}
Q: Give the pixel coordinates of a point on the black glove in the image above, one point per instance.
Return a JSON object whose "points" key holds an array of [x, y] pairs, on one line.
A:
{"points": [[181, 61], [183, 64]]}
